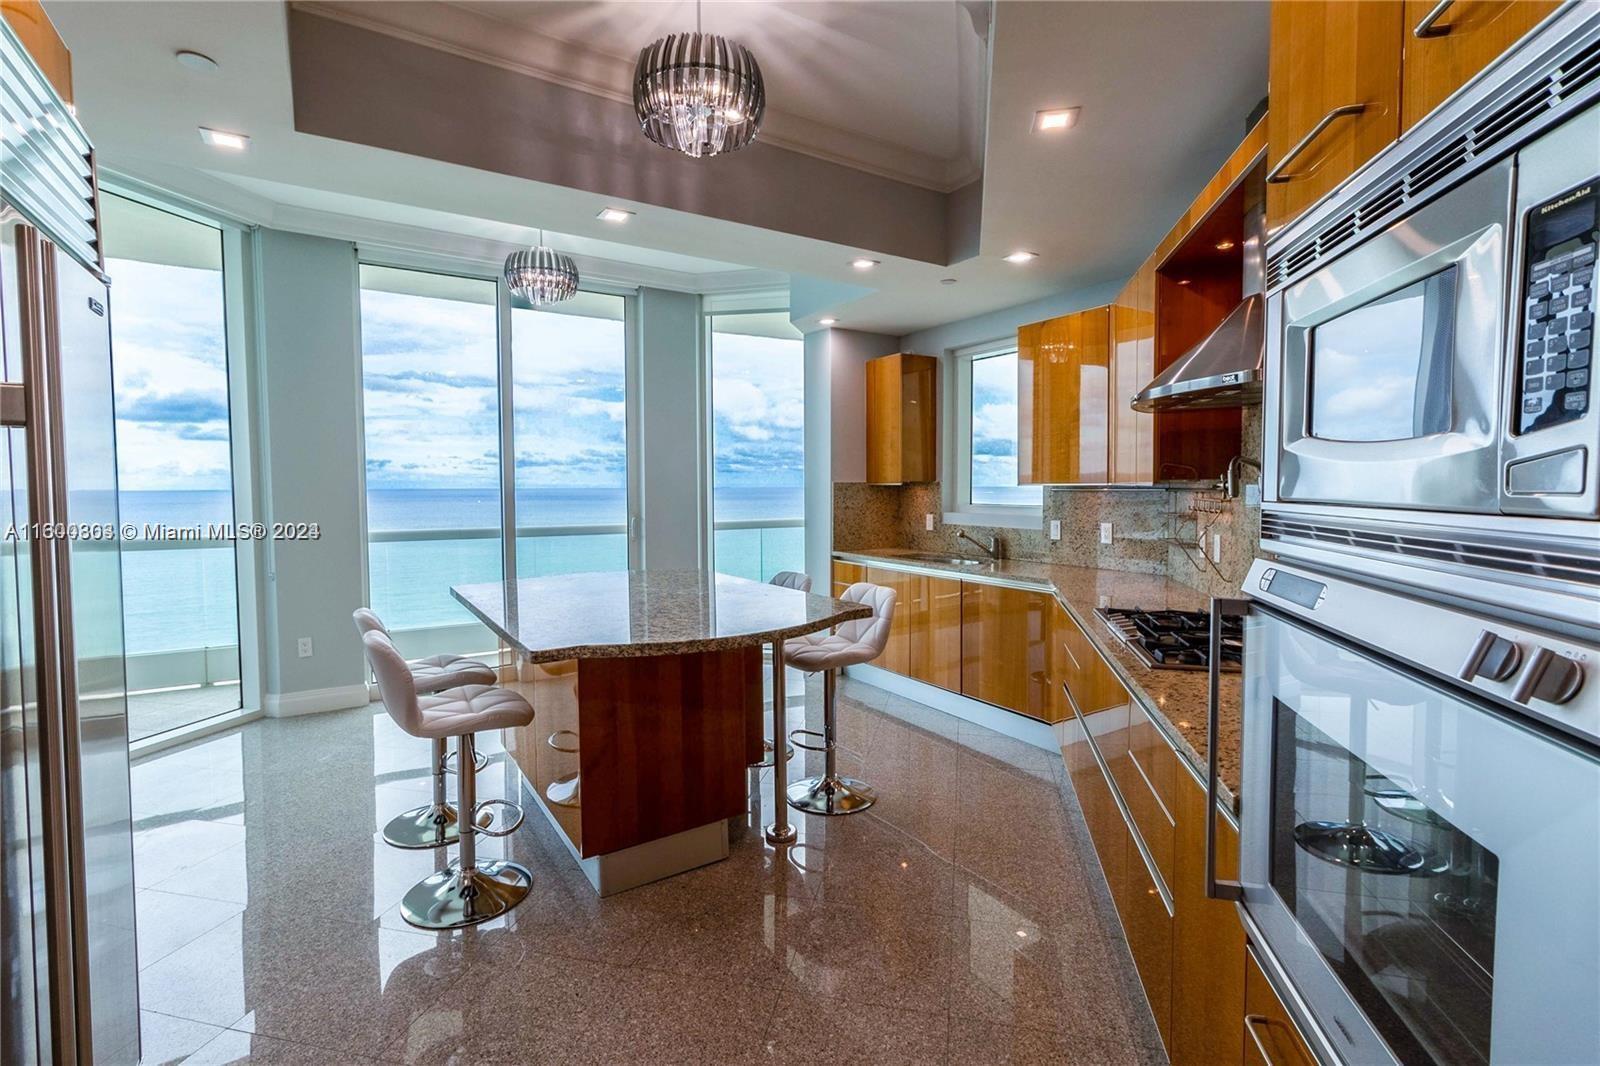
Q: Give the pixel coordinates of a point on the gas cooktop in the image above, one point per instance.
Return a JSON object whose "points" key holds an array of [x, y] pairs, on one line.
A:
{"points": [[1175, 640]]}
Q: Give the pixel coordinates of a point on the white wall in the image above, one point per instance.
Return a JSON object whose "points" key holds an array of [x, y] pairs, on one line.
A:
{"points": [[308, 419], [674, 471]]}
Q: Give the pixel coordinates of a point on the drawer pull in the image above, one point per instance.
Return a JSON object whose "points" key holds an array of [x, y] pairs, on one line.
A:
{"points": [[1216, 889], [1276, 175], [1427, 28], [1255, 1024]]}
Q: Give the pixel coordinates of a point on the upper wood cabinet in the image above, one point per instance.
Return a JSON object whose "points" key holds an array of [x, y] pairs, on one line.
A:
{"points": [[902, 419], [1063, 399], [1334, 79], [1446, 44]]}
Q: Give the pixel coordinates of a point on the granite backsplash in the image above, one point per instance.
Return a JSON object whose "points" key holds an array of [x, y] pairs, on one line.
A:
{"points": [[1155, 530]]}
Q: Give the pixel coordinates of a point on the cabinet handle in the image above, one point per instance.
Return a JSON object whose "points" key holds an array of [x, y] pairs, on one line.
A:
{"points": [[1276, 175], [1253, 1024], [1224, 890], [1426, 27]]}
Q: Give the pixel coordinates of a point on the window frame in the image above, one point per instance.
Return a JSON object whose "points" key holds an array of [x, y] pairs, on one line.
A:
{"points": [[959, 508]]}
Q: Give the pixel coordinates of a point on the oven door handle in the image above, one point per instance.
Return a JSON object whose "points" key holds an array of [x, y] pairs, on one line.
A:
{"points": [[1215, 889]]}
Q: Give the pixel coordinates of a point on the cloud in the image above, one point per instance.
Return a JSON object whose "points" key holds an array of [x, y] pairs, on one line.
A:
{"points": [[195, 432], [187, 406]]}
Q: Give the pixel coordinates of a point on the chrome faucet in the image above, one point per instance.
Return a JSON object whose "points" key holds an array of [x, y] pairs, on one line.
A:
{"points": [[1230, 483], [992, 549]]}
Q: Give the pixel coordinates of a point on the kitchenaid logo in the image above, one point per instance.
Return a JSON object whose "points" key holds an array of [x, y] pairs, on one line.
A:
{"points": [[1567, 199]]}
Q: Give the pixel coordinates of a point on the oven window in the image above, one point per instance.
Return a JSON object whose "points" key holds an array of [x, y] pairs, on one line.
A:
{"points": [[1397, 899], [1382, 371]]}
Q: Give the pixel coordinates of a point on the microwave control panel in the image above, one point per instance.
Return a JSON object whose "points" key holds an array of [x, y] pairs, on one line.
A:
{"points": [[1557, 367]]}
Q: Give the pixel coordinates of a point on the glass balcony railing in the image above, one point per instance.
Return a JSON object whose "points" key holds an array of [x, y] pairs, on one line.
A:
{"points": [[182, 616]]}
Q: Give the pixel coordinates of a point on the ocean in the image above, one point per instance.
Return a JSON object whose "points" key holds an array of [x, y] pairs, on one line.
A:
{"points": [[184, 597]]}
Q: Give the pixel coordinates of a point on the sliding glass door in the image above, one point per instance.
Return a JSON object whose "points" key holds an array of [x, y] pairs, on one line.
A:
{"points": [[758, 447], [174, 467], [569, 407], [431, 405]]}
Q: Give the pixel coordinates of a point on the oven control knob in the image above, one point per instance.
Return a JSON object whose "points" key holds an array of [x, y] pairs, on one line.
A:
{"points": [[1492, 656], [1549, 677]]}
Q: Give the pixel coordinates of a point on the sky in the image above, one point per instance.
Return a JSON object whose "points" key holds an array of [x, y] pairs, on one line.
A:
{"points": [[429, 371], [994, 433]]}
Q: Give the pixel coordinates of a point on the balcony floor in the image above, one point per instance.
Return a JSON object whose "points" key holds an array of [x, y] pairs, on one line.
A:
{"points": [[150, 713], [963, 919]]}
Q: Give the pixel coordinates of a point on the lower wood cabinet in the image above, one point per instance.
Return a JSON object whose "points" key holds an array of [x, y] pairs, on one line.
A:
{"points": [[1208, 940], [846, 574], [896, 654], [925, 632], [1147, 921], [1270, 1036], [1005, 648]]}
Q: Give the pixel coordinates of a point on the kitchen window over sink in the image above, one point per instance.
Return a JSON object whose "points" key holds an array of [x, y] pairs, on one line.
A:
{"points": [[984, 489]]}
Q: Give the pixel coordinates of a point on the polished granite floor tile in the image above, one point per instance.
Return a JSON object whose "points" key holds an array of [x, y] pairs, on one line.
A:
{"points": [[270, 928]]}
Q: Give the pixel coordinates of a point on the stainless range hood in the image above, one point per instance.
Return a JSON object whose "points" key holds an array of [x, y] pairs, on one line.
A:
{"points": [[1224, 370]]}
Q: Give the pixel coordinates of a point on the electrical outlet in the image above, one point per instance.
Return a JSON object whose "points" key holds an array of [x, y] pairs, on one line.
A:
{"points": [[1105, 532], [1055, 529], [1252, 495], [927, 521], [303, 646], [1216, 547]]}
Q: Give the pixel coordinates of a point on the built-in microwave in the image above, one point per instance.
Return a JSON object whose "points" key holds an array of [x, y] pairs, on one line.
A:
{"points": [[1430, 410]]}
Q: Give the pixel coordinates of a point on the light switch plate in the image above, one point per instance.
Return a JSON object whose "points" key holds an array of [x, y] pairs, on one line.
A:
{"points": [[1105, 532], [303, 646], [1055, 529], [928, 522], [1216, 547]]}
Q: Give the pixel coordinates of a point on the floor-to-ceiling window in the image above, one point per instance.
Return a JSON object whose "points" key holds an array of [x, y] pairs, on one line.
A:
{"points": [[758, 448], [430, 398], [170, 365], [569, 407]]}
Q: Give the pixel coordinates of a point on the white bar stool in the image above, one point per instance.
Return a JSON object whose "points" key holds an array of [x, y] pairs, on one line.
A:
{"points": [[434, 824], [789, 579], [470, 890], [859, 640]]}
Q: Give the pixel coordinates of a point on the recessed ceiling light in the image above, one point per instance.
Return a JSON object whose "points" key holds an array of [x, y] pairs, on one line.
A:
{"points": [[1223, 246], [861, 262], [196, 61], [947, 281], [233, 142], [1055, 119], [614, 214], [1022, 257], [827, 321]]}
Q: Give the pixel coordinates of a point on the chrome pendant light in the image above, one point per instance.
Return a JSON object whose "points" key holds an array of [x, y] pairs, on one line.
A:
{"points": [[698, 93], [541, 275]]}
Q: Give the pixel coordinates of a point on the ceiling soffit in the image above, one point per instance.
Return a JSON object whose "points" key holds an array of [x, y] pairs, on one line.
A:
{"points": [[486, 33]]}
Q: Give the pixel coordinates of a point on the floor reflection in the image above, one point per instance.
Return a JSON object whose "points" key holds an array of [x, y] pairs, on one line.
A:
{"points": [[962, 918]]}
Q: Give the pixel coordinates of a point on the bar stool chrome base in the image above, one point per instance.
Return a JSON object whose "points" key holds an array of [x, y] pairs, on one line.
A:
{"points": [[429, 826], [831, 795], [767, 759], [449, 900]]}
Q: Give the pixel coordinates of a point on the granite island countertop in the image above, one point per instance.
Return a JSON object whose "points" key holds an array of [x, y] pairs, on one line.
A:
{"points": [[1175, 698], [633, 613]]}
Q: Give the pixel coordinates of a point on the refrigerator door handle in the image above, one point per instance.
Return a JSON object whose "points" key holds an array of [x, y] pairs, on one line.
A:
{"points": [[1215, 889]]}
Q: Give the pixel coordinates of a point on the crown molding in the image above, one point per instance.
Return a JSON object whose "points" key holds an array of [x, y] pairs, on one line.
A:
{"points": [[536, 55]]}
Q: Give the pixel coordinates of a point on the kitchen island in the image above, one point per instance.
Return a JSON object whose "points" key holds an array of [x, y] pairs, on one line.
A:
{"points": [[648, 708]]}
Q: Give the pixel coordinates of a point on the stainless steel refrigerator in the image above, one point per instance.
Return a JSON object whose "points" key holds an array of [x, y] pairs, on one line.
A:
{"points": [[70, 966]]}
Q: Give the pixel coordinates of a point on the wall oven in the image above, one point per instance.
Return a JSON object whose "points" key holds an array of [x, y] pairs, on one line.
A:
{"points": [[1431, 413], [1420, 858]]}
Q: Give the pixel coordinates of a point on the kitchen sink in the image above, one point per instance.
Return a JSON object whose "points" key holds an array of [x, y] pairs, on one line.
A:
{"points": [[952, 560]]}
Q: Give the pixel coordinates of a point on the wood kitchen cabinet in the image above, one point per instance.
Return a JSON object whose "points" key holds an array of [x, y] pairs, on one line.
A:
{"points": [[936, 631], [846, 574], [1270, 1035], [1208, 941], [1334, 79], [1147, 921], [1063, 399], [1005, 648], [896, 654], [1444, 51], [902, 419]]}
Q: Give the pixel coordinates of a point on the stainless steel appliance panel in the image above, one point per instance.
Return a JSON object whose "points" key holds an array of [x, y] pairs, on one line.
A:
{"points": [[1388, 366], [82, 343], [1423, 866], [1549, 453]]}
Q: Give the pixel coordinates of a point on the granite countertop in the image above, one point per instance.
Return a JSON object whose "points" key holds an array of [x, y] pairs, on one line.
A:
{"points": [[646, 612], [1175, 698]]}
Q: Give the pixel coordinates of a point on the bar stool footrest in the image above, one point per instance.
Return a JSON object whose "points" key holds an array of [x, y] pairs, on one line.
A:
{"points": [[479, 761], [485, 817], [796, 734]]}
